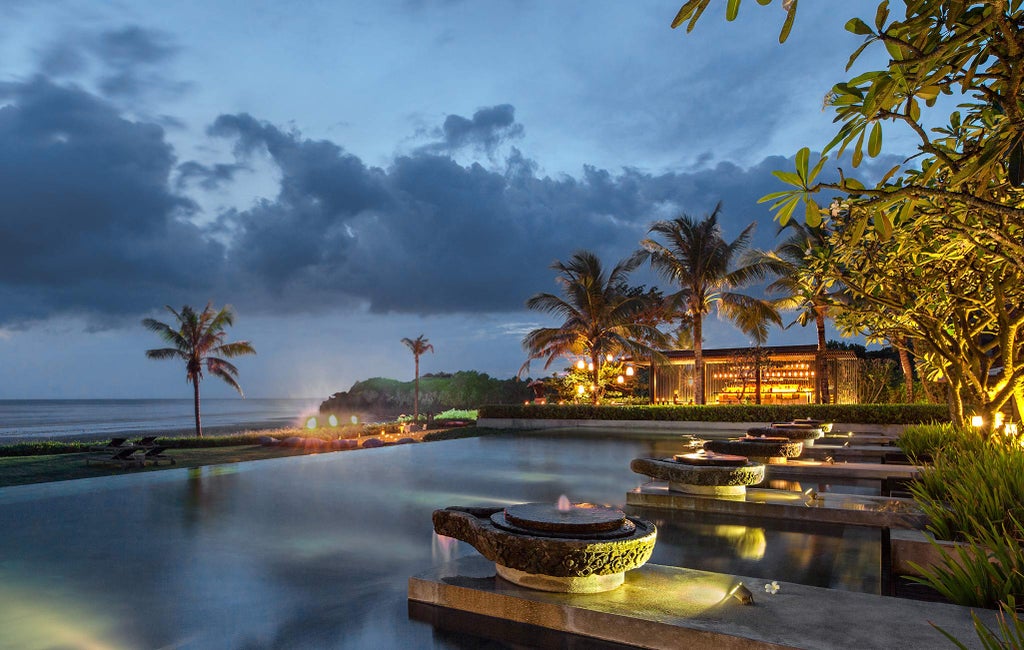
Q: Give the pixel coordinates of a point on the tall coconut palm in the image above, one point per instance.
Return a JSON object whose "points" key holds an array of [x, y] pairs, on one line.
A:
{"points": [[601, 316], [696, 258], [198, 339], [802, 286], [419, 346]]}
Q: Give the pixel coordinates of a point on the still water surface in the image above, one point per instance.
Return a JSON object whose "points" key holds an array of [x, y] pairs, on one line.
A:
{"points": [[316, 551]]}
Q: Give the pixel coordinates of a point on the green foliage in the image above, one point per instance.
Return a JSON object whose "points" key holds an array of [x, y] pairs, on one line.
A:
{"points": [[457, 414], [1010, 634], [972, 486], [437, 392], [860, 413], [985, 571], [923, 441]]}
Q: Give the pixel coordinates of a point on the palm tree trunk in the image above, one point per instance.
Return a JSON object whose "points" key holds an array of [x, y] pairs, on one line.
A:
{"points": [[698, 359], [195, 395], [908, 370], [595, 360], [416, 393], [819, 321]]}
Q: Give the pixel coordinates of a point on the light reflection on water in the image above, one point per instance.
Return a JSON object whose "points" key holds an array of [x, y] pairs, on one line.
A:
{"points": [[316, 551]]}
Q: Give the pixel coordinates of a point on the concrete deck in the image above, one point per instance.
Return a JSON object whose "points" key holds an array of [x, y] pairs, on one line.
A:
{"points": [[667, 607], [833, 508], [797, 470]]}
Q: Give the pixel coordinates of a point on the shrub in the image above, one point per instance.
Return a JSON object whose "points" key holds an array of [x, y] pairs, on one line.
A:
{"points": [[457, 414], [861, 413], [970, 487], [920, 442]]}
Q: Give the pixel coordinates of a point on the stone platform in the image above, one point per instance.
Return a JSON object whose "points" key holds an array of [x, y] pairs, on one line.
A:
{"points": [[668, 607], [802, 469], [833, 508]]}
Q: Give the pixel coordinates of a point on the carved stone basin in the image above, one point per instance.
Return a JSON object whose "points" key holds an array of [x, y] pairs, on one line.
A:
{"points": [[770, 450], [805, 433], [722, 475], [582, 549]]}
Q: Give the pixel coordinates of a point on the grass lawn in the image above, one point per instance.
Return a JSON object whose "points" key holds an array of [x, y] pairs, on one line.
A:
{"points": [[23, 470]]}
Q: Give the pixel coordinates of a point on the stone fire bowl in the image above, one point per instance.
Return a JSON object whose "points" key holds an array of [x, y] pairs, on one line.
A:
{"points": [[707, 480], [542, 561], [805, 433], [773, 451]]}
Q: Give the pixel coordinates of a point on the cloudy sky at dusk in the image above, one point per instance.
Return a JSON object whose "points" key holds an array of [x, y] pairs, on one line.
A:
{"points": [[348, 174]]}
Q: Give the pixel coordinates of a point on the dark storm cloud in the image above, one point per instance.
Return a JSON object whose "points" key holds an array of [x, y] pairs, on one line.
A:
{"points": [[87, 220], [128, 61], [429, 235], [93, 221], [488, 128], [209, 177]]}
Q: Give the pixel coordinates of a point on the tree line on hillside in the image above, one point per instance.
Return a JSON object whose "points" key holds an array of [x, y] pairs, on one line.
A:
{"points": [[437, 392]]}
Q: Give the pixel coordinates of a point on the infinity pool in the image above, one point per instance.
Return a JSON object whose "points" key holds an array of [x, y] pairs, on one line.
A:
{"points": [[316, 551]]}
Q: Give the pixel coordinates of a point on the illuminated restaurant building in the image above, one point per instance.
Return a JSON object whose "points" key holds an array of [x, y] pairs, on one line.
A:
{"points": [[785, 375]]}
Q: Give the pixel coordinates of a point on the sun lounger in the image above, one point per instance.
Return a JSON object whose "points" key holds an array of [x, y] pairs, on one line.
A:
{"points": [[124, 456], [155, 455], [148, 441], [115, 443]]}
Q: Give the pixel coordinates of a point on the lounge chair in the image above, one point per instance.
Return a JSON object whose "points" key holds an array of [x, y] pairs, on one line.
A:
{"points": [[148, 441], [115, 443], [155, 455], [123, 456]]}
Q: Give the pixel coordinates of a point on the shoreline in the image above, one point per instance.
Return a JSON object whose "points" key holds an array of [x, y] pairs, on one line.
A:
{"points": [[183, 432]]}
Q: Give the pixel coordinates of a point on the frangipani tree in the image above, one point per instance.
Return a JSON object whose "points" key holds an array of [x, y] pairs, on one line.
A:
{"points": [[956, 204]]}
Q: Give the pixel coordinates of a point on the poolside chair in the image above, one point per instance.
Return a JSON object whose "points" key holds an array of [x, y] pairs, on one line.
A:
{"points": [[148, 441], [115, 443], [156, 454], [124, 456]]}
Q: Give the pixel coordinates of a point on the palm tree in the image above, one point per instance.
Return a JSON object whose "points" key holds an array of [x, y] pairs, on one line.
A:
{"points": [[419, 346], [602, 316], [801, 285], [696, 258], [198, 339]]}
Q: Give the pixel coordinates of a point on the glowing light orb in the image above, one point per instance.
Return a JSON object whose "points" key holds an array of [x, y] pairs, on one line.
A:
{"points": [[332, 420], [620, 379], [580, 364], [311, 423], [977, 421], [580, 389], [629, 371], [354, 419]]}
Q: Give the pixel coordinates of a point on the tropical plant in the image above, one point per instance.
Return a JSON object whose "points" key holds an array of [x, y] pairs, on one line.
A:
{"points": [[953, 212], [419, 347], [923, 441], [198, 339], [802, 287], [602, 316], [697, 259]]}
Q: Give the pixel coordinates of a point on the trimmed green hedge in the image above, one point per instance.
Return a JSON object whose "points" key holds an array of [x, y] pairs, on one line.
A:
{"points": [[860, 413]]}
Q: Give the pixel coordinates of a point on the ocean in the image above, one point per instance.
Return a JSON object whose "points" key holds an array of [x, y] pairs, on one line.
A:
{"points": [[89, 419]]}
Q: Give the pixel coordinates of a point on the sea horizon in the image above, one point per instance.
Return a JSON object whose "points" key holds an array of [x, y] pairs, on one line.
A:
{"points": [[31, 419]]}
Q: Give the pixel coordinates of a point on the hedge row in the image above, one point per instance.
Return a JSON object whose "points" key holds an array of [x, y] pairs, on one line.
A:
{"points": [[859, 413]]}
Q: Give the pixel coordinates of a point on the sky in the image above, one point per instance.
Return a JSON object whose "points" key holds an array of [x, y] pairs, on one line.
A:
{"points": [[348, 174]]}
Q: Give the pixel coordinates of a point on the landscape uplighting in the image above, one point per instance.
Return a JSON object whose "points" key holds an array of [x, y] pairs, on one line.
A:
{"points": [[977, 421], [742, 594]]}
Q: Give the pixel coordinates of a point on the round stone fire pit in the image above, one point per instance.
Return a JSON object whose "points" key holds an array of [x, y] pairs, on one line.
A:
{"points": [[805, 433], [703, 473], [764, 449], [581, 548]]}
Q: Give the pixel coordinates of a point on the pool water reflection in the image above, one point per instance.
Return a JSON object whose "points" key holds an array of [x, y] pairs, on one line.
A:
{"points": [[315, 551]]}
